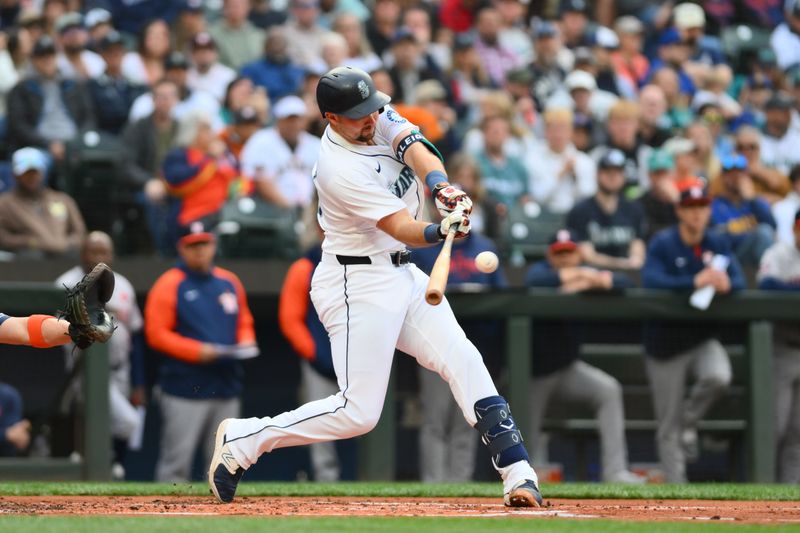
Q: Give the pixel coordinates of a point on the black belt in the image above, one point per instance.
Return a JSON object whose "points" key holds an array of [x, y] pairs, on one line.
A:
{"points": [[397, 258]]}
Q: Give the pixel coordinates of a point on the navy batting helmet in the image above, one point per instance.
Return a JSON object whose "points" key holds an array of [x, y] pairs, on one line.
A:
{"points": [[349, 92]]}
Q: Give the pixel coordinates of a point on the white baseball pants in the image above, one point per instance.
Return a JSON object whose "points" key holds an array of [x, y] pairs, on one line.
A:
{"points": [[368, 311]]}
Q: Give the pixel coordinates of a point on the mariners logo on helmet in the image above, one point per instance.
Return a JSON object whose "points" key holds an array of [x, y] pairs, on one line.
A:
{"points": [[363, 89]]}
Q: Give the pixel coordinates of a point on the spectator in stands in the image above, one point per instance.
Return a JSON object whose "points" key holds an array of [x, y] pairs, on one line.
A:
{"points": [[436, 54], [51, 11], [687, 167], [583, 96], [146, 65], [604, 43], [623, 123], [301, 326], [705, 51], [463, 171], [275, 72], [147, 142], [780, 271], [496, 59], [680, 259], [359, 52], [468, 78], [658, 203], [708, 165], [769, 182], [784, 210], [409, 68], [199, 171], [176, 69], [45, 111], [15, 51], [112, 94], [242, 93], [504, 176], [15, 431], [246, 122], [125, 348], [713, 90], [447, 447], [382, 25], [609, 228], [678, 113], [280, 159], [191, 21], [131, 17], [559, 374], [98, 23], [673, 53], [576, 29], [629, 61], [75, 61], [35, 220], [239, 41], [785, 39], [207, 73], [548, 72], [303, 32], [653, 130], [265, 15], [196, 316], [780, 142], [559, 174], [741, 214]]}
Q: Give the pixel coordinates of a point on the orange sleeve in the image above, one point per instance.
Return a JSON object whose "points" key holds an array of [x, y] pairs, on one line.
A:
{"points": [[160, 318], [293, 306], [245, 329]]}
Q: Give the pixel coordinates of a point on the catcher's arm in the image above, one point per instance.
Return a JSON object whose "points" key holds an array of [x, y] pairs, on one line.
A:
{"points": [[39, 331]]}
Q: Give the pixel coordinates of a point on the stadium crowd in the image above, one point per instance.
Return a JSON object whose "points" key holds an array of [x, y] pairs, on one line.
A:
{"points": [[651, 136]]}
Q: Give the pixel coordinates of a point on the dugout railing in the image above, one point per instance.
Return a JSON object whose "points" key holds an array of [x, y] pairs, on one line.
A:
{"points": [[94, 459]]}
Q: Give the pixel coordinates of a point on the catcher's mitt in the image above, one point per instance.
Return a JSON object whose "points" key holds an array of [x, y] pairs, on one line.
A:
{"points": [[85, 307]]}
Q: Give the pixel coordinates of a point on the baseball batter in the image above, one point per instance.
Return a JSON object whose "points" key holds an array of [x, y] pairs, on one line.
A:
{"points": [[371, 299]]}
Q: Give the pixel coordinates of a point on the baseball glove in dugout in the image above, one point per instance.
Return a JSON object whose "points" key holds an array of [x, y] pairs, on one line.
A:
{"points": [[85, 307]]}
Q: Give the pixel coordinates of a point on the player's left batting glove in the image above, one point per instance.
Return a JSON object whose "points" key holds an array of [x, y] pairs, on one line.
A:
{"points": [[449, 199], [460, 220], [85, 307]]}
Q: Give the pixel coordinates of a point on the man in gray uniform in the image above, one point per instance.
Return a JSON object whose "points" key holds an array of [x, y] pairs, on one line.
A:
{"points": [[780, 271]]}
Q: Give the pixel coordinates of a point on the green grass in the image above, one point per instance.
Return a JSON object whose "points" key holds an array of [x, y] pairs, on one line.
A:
{"points": [[702, 491], [353, 525]]}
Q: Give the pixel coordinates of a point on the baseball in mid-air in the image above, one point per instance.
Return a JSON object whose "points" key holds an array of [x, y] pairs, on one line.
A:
{"points": [[486, 262]]}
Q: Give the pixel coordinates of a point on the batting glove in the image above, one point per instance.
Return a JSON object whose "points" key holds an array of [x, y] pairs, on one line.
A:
{"points": [[449, 199], [460, 220]]}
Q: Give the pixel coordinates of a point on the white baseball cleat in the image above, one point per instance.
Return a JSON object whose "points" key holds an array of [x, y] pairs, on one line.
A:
{"points": [[224, 473], [524, 494]]}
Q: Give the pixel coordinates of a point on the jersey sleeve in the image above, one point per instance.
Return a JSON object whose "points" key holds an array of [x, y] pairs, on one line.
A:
{"points": [[391, 124], [3, 318], [160, 314], [293, 306]]}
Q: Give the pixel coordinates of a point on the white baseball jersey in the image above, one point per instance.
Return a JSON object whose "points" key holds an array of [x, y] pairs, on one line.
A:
{"points": [[266, 156], [358, 185]]}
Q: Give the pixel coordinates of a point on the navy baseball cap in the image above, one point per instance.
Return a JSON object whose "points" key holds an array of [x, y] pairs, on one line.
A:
{"points": [[194, 232], [44, 46], [696, 195], [734, 162], [112, 38], [779, 100], [545, 30], [403, 34], [573, 6], [612, 159], [562, 241], [670, 36], [176, 60]]}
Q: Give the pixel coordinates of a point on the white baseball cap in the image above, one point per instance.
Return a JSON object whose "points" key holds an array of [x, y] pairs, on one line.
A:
{"points": [[580, 79], [689, 16], [96, 16], [26, 159], [290, 106]]}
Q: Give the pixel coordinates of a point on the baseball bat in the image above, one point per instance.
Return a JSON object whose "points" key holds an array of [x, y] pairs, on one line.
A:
{"points": [[441, 269]]}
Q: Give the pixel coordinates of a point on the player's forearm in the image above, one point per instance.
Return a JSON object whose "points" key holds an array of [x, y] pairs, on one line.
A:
{"points": [[422, 161], [48, 332], [405, 229]]}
